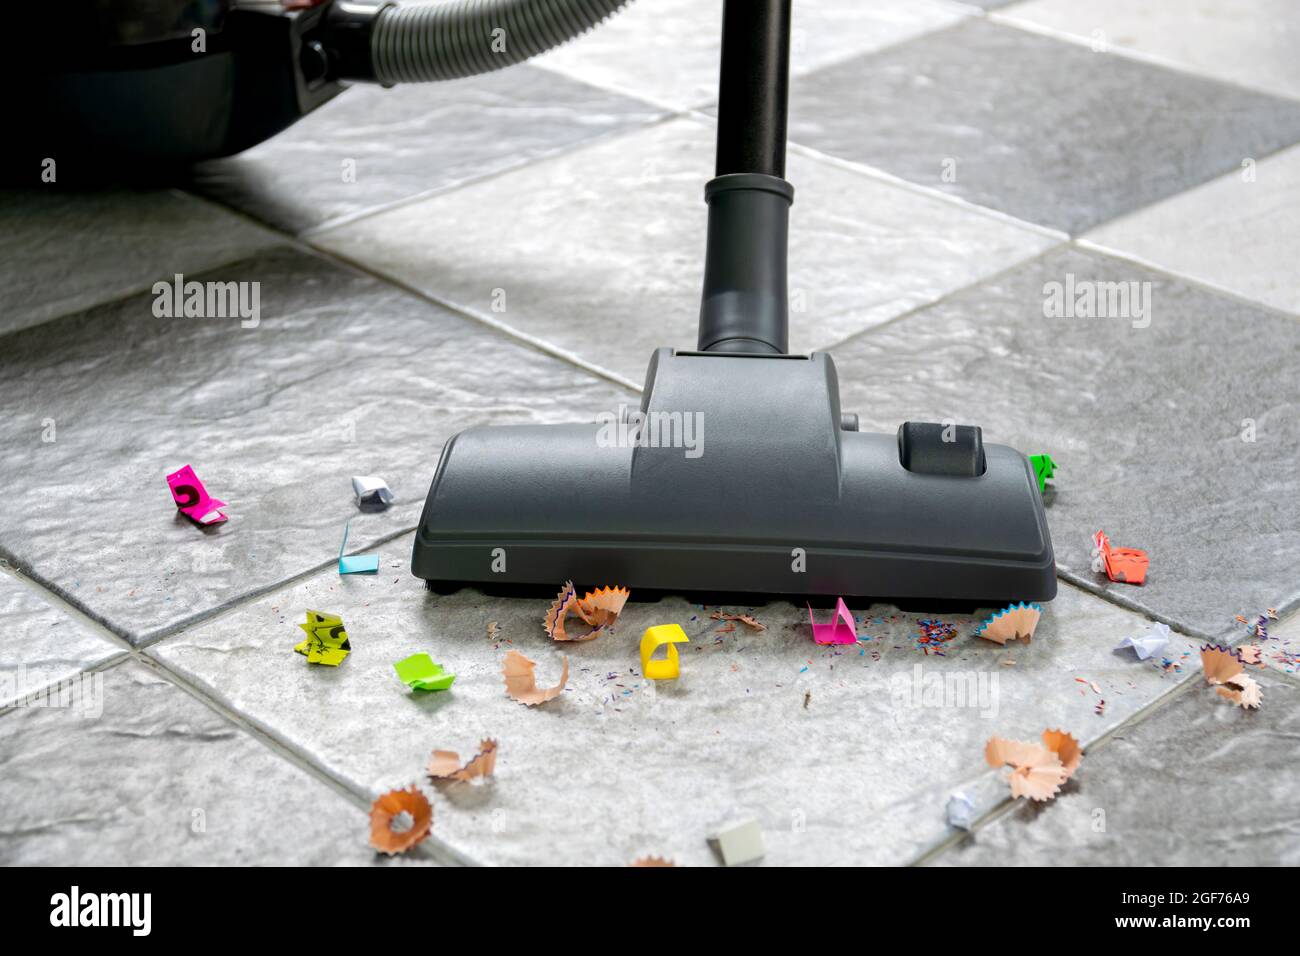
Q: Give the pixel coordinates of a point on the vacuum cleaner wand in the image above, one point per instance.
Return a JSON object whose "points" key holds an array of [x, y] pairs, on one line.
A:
{"points": [[739, 472], [744, 308]]}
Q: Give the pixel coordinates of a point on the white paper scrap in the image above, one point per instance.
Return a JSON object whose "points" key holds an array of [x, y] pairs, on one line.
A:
{"points": [[740, 842], [1149, 643], [372, 490], [961, 811]]}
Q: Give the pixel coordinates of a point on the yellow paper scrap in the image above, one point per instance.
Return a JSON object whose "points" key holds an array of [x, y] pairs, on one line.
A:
{"points": [[327, 641], [661, 635]]}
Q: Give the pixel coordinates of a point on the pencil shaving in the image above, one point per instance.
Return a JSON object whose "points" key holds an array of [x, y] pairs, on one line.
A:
{"points": [[388, 808], [1037, 771], [521, 682], [597, 609]]}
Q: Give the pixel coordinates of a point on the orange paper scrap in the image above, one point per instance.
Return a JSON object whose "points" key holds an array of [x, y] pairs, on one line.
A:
{"points": [[521, 683], [1037, 770], [1016, 622], [598, 609], [446, 765], [652, 861], [1225, 672], [1123, 565], [388, 809]]}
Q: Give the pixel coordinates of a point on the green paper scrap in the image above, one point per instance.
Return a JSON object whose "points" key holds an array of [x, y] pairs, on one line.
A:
{"points": [[419, 672], [357, 563], [1044, 468]]}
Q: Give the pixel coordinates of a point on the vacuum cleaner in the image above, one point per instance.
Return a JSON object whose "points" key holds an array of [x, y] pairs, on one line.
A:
{"points": [[738, 472]]}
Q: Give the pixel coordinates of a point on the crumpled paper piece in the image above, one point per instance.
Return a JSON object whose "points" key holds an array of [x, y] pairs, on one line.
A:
{"points": [[748, 620], [598, 610], [1224, 671], [1122, 565], [960, 811], [1149, 643], [1014, 622], [652, 861], [446, 765], [521, 683], [373, 493], [1038, 770], [387, 808], [192, 499], [327, 640], [420, 672]]}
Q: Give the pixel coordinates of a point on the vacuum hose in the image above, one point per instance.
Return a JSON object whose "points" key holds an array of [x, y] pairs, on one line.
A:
{"points": [[456, 38]]}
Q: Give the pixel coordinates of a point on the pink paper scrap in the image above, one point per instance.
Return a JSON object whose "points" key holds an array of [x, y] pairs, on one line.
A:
{"points": [[842, 630], [193, 499]]}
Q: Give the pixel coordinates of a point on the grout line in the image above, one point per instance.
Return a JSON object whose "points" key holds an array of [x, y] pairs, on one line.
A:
{"points": [[473, 315], [273, 239], [348, 219], [247, 597], [643, 96], [1115, 597], [1008, 804], [437, 848], [943, 299], [108, 663], [1132, 54], [64, 605], [1092, 245], [338, 260], [930, 192]]}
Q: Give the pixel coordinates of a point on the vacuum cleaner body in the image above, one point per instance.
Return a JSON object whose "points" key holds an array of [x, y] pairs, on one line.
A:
{"points": [[737, 474], [134, 85]]}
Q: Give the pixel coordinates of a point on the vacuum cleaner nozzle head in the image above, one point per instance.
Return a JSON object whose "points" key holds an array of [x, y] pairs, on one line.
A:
{"points": [[737, 474]]}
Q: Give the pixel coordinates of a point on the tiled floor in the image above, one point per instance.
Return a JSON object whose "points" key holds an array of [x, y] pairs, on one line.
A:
{"points": [[510, 249]]}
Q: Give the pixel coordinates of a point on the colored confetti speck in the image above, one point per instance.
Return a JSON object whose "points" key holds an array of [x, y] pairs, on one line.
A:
{"points": [[934, 636]]}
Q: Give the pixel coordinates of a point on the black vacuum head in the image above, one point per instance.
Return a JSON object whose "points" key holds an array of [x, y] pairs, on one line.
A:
{"points": [[737, 474]]}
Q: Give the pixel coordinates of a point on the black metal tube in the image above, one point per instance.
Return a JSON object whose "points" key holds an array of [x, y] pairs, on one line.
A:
{"points": [[753, 87], [744, 307]]}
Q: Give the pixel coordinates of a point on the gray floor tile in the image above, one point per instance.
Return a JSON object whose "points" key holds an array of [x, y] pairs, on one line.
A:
{"points": [[616, 768], [1239, 232], [344, 376], [159, 779], [601, 251], [409, 140], [669, 50], [1251, 42], [65, 250], [41, 645], [1145, 796], [1043, 129], [1146, 424]]}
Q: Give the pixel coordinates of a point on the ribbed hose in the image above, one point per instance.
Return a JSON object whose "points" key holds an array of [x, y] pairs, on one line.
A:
{"points": [[443, 41]]}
